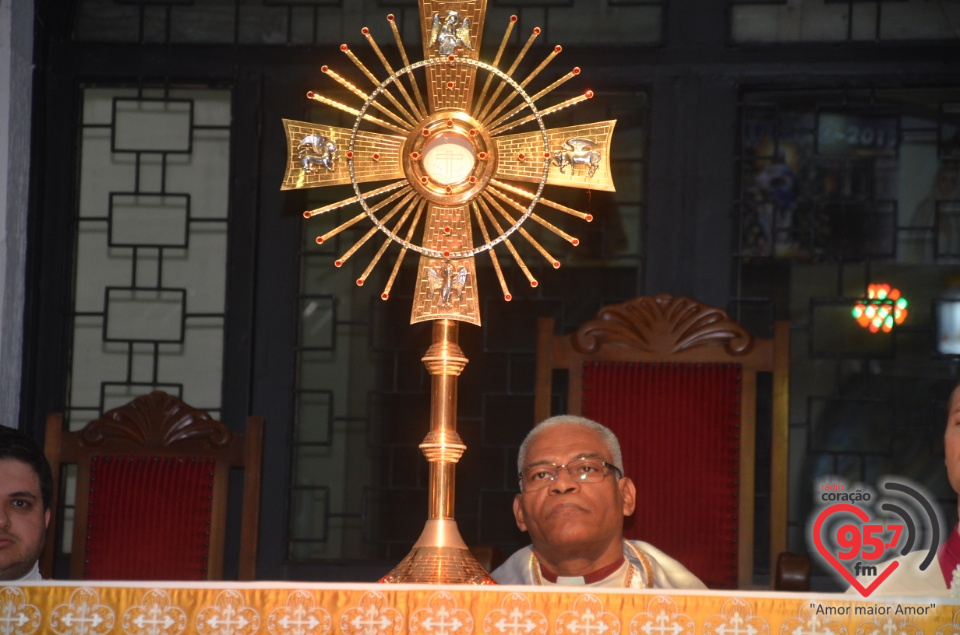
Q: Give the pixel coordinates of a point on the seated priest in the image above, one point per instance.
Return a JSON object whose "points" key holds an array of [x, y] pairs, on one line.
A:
{"points": [[942, 575], [573, 499], [26, 487]]}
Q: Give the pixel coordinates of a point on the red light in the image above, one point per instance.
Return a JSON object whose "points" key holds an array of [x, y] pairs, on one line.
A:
{"points": [[881, 309]]}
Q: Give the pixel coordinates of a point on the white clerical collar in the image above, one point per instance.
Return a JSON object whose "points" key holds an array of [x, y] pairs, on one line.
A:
{"points": [[33, 575]]}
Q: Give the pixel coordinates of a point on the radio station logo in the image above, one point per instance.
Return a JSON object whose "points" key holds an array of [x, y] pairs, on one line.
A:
{"points": [[861, 532]]}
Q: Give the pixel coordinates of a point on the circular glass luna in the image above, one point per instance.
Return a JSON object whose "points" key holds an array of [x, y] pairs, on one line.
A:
{"points": [[448, 159]]}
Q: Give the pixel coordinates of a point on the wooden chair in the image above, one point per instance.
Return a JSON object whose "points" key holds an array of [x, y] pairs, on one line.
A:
{"points": [[676, 380], [488, 556], [152, 490]]}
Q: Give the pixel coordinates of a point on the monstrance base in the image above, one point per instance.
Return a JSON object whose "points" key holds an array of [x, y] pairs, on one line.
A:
{"points": [[439, 557]]}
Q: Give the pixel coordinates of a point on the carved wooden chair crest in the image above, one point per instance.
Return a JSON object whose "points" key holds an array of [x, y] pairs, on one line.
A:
{"points": [[677, 381], [152, 490]]}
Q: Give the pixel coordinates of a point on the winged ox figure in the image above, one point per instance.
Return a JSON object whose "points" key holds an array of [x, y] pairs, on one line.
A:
{"points": [[576, 152]]}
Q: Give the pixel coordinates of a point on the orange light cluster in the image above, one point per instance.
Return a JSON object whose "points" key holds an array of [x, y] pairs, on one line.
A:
{"points": [[881, 309]]}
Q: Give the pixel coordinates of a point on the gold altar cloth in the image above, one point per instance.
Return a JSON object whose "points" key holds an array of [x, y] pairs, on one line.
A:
{"points": [[222, 608]]}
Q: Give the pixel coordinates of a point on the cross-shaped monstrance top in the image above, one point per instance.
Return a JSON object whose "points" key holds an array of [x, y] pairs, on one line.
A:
{"points": [[449, 156]]}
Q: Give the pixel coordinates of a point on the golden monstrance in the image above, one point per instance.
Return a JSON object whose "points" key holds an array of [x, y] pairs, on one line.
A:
{"points": [[448, 157]]}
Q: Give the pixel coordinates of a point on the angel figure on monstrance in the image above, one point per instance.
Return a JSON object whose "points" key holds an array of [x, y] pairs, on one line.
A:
{"points": [[451, 33]]}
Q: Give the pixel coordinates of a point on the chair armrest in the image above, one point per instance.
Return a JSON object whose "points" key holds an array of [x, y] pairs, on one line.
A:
{"points": [[793, 572]]}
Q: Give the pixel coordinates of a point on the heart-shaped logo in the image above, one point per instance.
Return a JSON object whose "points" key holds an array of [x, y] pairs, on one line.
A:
{"points": [[832, 559]]}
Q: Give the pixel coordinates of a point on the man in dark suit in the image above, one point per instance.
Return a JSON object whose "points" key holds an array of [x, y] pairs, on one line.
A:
{"points": [[26, 487]]}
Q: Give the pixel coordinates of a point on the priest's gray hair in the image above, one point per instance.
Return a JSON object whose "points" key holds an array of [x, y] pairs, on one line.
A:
{"points": [[609, 438]]}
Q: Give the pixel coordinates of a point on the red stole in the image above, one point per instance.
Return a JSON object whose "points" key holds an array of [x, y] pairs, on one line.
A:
{"points": [[590, 578], [949, 555]]}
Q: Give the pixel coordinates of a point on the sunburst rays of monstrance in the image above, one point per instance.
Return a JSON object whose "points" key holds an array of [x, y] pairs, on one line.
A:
{"points": [[429, 166]]}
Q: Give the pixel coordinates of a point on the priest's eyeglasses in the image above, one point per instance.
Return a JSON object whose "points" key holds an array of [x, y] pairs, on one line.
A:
{"points": [[536, 477]]}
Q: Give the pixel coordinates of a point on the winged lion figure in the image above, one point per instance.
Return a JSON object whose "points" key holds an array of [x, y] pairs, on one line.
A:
{"points": [[317, 150]]}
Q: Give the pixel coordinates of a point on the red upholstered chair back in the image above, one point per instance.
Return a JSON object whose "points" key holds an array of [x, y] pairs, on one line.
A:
{"points": [[148, 518], [152, 490], [676, 380], [678, 426]]}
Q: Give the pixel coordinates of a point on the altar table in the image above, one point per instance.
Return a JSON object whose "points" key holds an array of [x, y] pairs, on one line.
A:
{"points": [[297, 608]]}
